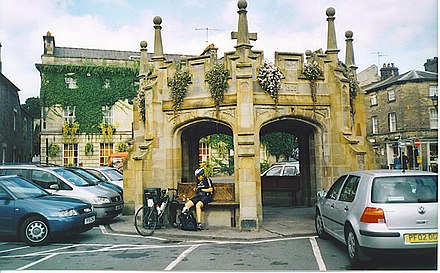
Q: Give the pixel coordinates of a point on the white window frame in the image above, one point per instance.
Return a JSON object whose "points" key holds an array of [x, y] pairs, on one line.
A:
{"points": [[392, 122], [374, 125], [433, 90], [107, 114], [373, 100], [70, 81], [69, 114], [433, 118], [391, 95]]}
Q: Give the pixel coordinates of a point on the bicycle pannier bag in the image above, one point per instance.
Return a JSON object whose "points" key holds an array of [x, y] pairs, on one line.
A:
{"points": [[188, 221]]}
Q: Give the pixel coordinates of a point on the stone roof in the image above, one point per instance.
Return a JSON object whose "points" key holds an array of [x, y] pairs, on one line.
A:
{"points": [[69, 52], [410, 76]]}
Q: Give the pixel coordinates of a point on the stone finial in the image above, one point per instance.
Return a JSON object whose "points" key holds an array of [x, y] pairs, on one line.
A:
{"points": [[144, 58], [349, 54], [332, 47], [158, 46], [242, 35]]}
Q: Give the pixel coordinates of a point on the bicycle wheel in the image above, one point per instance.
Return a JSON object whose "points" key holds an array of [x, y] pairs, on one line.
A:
{"points": [[173, 213], [145, 221]]}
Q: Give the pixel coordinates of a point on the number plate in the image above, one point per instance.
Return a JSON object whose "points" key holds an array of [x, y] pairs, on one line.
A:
{"points": [[89, 220], [421, 238], [150, 203], [118, 207]]}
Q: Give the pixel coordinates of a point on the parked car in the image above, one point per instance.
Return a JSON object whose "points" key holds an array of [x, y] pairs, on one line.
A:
{"points": [[107, 174], [35, 215], [380, 211], [94, 178], [61, 181], [279, 179]]}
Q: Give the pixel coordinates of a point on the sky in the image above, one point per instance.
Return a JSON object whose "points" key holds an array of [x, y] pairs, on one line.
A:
{"points": [[403, 32]]}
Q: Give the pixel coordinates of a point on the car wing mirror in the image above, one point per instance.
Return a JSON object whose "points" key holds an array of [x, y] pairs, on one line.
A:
{"points": [[321, 193], [54, 187]]}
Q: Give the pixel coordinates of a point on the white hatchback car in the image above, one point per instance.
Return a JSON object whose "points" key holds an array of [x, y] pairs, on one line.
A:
{"points": [[380, 212]]}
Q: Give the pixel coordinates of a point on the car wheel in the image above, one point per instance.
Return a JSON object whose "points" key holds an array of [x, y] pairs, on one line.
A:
{"points": [[35, 231], [354, 251], [319, 226]]}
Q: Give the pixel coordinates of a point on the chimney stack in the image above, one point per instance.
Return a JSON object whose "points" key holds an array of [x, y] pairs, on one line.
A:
{"points": [[388, 71], [431, 65], [49, 44]]}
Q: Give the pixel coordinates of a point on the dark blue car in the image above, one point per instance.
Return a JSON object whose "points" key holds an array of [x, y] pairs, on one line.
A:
{"points": [[36, 215]]}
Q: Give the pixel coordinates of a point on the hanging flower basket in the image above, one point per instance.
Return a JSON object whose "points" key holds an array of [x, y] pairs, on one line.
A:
{"points": [[54, 149], [269, 77], [179, 88], [89, 149], [312, 71], [217, 79]]}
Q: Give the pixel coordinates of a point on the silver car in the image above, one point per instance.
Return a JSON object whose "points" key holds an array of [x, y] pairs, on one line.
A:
{"points": [[107, 174], [381, 212], [60, 180]]}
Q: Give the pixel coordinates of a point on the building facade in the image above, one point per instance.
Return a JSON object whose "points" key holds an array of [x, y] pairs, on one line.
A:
{"points": [[402, 116], [324, 110], [16, 126]]}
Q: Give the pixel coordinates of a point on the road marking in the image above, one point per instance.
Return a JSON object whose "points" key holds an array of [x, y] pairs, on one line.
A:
{"points": [[13, 249], [180, 258], [317, 253], [105, 232], [37, 262]]}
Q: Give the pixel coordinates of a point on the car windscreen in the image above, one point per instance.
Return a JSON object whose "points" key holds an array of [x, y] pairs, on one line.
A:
{"points": [[405, 189], [22, 189], [87, 175], [74, 178], [114, 175]]}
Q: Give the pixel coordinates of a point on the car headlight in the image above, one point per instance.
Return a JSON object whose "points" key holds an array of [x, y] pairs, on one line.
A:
{"points": [[101, 200], [65, 213]]}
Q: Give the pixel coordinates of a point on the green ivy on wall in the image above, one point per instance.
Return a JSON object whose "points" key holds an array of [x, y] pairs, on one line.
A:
{"points": [[93, 88]]}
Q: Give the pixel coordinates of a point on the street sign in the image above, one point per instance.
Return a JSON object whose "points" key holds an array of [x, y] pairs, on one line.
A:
{"points": [[417, 142], [401, 143]]}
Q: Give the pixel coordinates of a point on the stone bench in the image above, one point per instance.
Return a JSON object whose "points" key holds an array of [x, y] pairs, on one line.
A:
{"points": [[222, 206]]}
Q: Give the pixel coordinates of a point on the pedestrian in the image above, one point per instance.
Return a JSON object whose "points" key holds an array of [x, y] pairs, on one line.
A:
{"points": [[405, 161], [204, 191], [397, 164]]}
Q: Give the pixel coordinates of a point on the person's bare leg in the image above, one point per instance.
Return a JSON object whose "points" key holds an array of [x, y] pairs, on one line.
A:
{"points": [[188, 205], [199, 207]]}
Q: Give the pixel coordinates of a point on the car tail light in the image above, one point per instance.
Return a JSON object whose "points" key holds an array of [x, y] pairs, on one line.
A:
{"points": [[373, 215]]}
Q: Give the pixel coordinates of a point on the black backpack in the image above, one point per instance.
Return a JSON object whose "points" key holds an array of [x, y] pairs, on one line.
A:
{"points": [[188, 221]]}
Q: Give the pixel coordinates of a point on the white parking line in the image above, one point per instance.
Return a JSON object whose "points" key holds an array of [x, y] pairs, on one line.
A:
{"points": [[317, 253], [180, 258], [37, 262], [13, 249], [104, 231]]}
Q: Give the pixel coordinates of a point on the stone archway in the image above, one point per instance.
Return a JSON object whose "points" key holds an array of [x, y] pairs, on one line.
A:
{"points": [[306, 132]]}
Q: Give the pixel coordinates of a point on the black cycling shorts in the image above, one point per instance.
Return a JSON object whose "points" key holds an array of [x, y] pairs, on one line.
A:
{"points": [[205, 199]]}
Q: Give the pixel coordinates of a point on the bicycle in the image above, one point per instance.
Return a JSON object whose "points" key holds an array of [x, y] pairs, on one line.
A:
{"points": [[151, 214]]}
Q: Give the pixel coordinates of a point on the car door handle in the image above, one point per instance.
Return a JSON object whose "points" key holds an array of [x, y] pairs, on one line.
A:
{"points": [[346, 208], [332, 206]]}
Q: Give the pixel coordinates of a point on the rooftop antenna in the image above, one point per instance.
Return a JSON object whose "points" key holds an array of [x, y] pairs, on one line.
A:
{"points": [[207, 29], [378, 53]]}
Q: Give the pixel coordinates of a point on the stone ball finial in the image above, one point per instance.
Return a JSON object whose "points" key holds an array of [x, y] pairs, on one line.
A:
{"points": [[349, 34], [308, 52], [143, 44], [330, 12], [157, 20], [242, 4]]}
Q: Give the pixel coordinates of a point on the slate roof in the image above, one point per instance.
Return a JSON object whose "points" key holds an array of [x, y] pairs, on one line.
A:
{"points": [[410, 76], [69, 52]]}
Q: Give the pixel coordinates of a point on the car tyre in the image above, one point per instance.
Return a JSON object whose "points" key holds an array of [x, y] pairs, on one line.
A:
{"points": [[354, 251], [319, 226], [35, 231]]}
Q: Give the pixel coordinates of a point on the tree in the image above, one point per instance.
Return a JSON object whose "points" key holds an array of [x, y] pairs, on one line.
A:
{"points": [[32, 107], [280, 143]]}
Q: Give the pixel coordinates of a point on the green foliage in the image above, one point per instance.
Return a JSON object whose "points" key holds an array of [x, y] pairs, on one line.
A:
{"points": [[54, 149], [217, 79], [32, 106], [122, 147], [96, 86], [89, 148], [179, 87], [280, 143]]}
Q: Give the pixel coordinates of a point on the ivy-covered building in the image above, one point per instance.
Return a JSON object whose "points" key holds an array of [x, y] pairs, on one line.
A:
{"points": [[86, 96], [16, 125]]}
